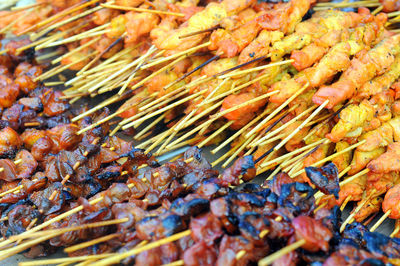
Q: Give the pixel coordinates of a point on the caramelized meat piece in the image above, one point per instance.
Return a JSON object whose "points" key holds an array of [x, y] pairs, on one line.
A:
{"points": [[317, 236], [9, 172], [206, 228], [28, 164], [348, 255], [52, 103], [391, 202], [30, 136], [20, 217], [325, 178], [41, 199], [242, 168], [9, 142], [200, 254], [387, 162], [64, 136]]}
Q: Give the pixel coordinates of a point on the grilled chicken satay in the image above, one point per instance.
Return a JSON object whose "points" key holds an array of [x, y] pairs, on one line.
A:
{"points": [[282, 17], [336, 60], [361, 70]]}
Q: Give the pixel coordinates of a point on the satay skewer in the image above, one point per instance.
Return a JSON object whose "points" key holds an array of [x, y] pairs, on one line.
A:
{"points": [[127, 8], [332, 156], [276, 111], [48, 234], [359, 207]]}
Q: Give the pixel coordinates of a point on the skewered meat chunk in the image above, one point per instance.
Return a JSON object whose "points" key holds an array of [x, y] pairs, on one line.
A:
{"points": [[10, 142], [316, 235], [325, 178], [391, 202], [362, 70], [387, 162]]}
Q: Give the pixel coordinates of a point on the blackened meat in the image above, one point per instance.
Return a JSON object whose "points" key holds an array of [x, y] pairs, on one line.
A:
{"points": [[325, 178]]}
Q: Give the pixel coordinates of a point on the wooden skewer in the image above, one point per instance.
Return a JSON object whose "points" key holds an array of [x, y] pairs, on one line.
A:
{"points": [[49, 55], [168, 107], [90, 33], [116, 74], [20, 8], [113, 61], [196, 129], [274, 256], [109, 101], [341, 174], [239, 132], [45, 235], [276, 111], [395, 231], [175, 263], [164, 68], [320, 207], [346, 200], [65, 12], [359, 207], [18, 19], [255, 69], [121, 256], [199, 32], [162, 60], [377, 10], [53, 83], [381, 220], [61, 23], [90, 243], [214, 134], [290, 154], [281, 128], [74, 167], [125, 8], [333, 156], [64, 260], [308, 119], [55, 71], [80, 48], [94, 60], [216, 57]]}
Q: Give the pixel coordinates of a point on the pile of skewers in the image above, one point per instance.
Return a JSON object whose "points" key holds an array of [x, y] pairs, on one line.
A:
{"points": [[291, 87]]}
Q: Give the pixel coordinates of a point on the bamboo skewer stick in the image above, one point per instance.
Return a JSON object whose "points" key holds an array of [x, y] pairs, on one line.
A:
{"points": [[381, 220], [359, 207], [68, 260], [286, 139], [134, 251], [326, 159], [61, 23], [274, 256], [87, 34], [281, 128], [276, 111], [287, 155], [214, 134], [65, 12], [162, 60], [255, 69], [90, 243], [45, 235], [125, 8], [239, 132], [168, 107]]}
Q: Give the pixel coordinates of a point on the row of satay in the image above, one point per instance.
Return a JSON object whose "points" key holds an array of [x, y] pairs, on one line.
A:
{"points": [[298, 58], [100, 196]]}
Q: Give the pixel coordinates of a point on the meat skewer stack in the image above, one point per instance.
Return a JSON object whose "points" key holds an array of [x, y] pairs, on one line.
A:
{"points": [[339, 60]]}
